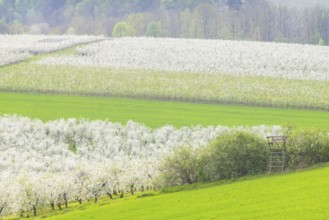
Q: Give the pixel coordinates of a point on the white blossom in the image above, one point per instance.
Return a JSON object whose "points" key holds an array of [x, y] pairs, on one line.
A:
{"points": [[51, 163], [282, 60], [14, 48]]}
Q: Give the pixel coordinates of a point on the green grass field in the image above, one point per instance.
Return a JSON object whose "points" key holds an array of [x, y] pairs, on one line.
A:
{"points": [[155, 113], [298, 195]]}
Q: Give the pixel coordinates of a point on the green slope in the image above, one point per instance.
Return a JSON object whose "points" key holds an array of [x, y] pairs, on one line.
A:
{"points": [[300, 195], [155, 113]]}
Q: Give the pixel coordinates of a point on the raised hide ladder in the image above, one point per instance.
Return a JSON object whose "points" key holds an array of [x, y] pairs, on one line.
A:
{"points": [[277, 146]]}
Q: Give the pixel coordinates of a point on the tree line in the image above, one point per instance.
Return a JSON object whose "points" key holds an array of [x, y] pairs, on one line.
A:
{"points": [[206, 19]]}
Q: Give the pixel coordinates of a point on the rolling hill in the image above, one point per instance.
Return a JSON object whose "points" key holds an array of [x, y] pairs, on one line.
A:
{"points": [[298, 195]]}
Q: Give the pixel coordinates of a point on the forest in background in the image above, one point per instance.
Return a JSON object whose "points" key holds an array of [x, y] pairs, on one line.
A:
{"points": [[257, 20]]}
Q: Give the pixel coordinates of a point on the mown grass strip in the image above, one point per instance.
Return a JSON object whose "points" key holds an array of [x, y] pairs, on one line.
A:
{"points": [[155, 113]]}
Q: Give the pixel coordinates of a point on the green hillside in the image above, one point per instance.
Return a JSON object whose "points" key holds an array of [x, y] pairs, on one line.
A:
{"points": [[155, 113], [299, 195]]}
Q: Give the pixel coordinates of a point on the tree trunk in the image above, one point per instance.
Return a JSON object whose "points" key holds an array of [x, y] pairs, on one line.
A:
{"points": [[132, 190], [59, 205], [96, 198], [1, 209], [110, 195], [52, 205], [121, 195], [115, 193], [21, 213], [65, 200], [34, 211], [142, 189], [80, 201]]}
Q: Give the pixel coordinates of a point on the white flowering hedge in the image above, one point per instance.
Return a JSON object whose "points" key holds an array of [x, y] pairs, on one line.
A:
{"points": [[42, 164], [15, 48], [291, 61], [8, 56]]}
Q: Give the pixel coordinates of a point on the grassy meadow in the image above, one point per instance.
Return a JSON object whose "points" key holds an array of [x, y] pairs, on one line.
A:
{"points": [[297, 195], [156, 113]]}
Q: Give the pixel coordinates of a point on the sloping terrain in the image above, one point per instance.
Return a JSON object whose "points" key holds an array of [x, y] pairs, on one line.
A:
{"points": [[299, 195]]}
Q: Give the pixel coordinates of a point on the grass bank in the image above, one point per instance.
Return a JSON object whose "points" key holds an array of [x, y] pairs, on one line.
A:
{"points": [[299, 195]]}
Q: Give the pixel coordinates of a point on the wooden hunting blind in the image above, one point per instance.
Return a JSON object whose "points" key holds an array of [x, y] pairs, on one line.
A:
{"points": [[277, 146]]}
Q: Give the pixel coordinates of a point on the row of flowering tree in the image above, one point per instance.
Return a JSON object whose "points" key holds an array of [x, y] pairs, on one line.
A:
{"points": [[14, 48], [49, 164], [279, 60], [210, 71]]}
